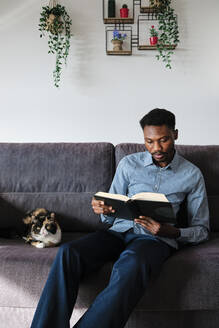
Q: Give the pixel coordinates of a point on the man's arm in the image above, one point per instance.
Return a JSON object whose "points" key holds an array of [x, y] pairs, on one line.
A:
{"points": [[198, 218], [198, 215]]}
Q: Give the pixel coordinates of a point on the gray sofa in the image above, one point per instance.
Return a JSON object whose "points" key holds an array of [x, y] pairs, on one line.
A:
{"points": [[63, 177]]}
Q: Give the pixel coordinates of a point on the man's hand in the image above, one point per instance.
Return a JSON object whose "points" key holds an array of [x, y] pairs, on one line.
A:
{"points": [[158, 229], [99, 207]]}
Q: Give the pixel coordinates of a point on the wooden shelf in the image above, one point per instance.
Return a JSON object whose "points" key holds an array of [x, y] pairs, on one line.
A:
{"points": [[147, 10], [120, 52], [116, 20], [149, 47]]}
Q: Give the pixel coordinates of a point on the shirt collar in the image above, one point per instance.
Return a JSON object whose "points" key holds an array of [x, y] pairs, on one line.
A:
{"points": [[148, 160]]}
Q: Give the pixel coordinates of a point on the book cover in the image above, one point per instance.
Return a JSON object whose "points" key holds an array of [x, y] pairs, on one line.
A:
{"points": [[154, 205]]}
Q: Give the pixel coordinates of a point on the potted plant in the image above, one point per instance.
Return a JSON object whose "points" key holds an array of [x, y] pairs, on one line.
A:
{"points": [[153, 36], [117, 40], [124, 11], [56, 22], [168, 27]]}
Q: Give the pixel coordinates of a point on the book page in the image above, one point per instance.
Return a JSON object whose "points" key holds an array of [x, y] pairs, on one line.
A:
{"points": [[151, 196], [112, 196]]}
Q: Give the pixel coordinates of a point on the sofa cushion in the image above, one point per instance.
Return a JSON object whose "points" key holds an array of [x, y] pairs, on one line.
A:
{"points": [[56, 167], [59, 176], [73, 210], [204, 157], [24, 270]]}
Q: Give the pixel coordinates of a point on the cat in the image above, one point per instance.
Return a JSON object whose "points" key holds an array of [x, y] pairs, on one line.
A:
{"points": [[43, 228]]}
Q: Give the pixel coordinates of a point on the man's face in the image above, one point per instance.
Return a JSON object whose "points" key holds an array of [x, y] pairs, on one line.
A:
{"points": [[159, 141]]}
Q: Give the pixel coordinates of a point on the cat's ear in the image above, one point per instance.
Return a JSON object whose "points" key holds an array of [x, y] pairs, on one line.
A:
{"points": [[33, 219], [52, 215], [27, 219]]}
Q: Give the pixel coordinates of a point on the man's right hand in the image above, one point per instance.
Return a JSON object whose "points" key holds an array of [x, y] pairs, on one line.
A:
{"points": [[99, 207]]}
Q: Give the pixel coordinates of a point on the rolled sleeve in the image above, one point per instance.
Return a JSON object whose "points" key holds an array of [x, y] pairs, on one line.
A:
{"points": [[198, 214]]}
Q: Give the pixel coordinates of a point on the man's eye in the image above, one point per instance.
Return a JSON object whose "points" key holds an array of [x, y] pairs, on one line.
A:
{"points": [[164, 140]]}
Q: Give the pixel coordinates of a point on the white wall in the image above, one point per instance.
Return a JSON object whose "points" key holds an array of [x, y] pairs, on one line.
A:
{"points": [[101, 97]]}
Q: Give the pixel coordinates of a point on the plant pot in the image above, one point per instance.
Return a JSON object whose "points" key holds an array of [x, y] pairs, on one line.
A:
{"points": [[50, 24], [157, 4], [117, 45], [153, 40], [124, 12]]}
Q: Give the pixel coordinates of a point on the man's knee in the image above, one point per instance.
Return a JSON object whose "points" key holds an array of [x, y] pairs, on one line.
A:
{"points": [[67, 251]]}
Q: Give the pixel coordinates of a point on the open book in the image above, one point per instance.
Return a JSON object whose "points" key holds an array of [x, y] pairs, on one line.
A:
{"points": [[154, 205]]}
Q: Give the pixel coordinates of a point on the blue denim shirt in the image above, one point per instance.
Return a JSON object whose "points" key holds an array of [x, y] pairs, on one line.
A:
{"points": [[138, 173]]}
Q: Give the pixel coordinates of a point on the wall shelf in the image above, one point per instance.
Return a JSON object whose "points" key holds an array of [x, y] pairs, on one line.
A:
{"points": [[147, 10], [115, 20], [149, 47], [145, 18], [121, 52]]}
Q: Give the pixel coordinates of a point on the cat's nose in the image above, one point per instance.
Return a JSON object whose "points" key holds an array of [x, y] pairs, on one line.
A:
{"points": [[51, 227]]}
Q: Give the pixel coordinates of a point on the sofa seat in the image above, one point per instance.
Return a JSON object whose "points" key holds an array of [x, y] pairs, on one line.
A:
{"points": [[24, 270]]}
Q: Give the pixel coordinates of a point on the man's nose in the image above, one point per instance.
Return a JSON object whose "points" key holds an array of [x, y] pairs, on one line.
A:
{"points": [[157, 147]]}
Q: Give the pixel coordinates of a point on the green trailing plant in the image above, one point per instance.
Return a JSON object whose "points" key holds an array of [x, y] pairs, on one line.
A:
{"points": [[56, 22], [168, 27]]}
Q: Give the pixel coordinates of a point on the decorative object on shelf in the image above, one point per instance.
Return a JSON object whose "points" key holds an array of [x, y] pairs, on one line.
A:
{"points": [[111, 16], [153, 36], [111, 8], [117, 40], [124, 11], [56, 22], [152, 6], [168, 27]]}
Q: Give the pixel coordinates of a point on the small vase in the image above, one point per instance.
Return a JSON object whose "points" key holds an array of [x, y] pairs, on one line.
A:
{"points": [[124, 12], [117, 45], [153, 40]]}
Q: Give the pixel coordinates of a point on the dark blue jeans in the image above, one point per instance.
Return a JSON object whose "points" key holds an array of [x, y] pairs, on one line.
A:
{"points": [[137, 258]]}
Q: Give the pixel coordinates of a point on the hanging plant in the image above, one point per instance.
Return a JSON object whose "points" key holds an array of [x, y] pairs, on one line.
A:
{"points": [[56, 22], [168, 27]]}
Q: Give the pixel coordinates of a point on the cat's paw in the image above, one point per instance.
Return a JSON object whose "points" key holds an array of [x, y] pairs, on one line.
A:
{"points": [[38, 244]]}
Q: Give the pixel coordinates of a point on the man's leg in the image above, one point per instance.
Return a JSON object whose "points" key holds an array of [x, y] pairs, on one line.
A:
{"points": [[142, 258], [72, 261]]}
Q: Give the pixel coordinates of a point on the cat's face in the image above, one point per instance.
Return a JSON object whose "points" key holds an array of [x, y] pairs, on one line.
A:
{"points": [[42, 222], [43, 225], [43, 229]]}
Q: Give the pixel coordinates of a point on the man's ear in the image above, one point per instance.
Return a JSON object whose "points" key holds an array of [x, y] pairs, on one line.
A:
{"points": [[175, 134]]}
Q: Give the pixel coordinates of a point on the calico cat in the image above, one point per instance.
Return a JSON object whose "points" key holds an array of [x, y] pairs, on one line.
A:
{"points": [[43, 228]]}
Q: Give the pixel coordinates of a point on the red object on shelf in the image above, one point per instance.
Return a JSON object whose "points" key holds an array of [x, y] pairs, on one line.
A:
{"points": [[153, 40], [124, 12]]}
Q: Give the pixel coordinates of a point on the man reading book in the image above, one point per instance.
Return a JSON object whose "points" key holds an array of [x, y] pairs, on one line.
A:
{"points": [[137, 247]]}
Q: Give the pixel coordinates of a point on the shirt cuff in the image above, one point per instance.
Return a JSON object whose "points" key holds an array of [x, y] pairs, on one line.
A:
{"points": [[186, 235]]}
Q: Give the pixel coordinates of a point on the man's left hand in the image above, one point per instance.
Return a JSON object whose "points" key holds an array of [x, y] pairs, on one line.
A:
{"points": [[157, 228]]}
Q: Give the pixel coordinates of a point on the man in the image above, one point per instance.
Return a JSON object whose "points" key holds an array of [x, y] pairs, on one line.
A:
{"points": [[139, 247]]}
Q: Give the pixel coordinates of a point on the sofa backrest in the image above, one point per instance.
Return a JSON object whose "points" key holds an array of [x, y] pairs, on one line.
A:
{"points": [[205, 157], [61, 177]]}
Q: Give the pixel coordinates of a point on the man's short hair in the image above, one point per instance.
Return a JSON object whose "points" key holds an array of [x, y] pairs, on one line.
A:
{"points": [[158, 117]]}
